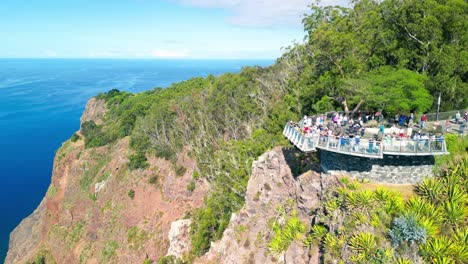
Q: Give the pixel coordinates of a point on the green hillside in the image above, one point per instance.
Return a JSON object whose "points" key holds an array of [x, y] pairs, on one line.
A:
{"points": [[392, 56]]}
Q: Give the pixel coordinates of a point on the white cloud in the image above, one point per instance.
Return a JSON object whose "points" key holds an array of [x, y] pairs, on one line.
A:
{"points": [[263, 13], [164, 53]]}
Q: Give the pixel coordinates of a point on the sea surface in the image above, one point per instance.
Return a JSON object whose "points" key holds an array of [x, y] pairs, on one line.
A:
{"points": [[41, 101]]}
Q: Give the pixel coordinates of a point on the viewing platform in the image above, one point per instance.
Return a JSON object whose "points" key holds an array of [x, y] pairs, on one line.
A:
{"points": [[364, 147]]}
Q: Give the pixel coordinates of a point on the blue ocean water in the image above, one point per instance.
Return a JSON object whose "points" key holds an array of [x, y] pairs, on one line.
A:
{"points": [[41, 101]]}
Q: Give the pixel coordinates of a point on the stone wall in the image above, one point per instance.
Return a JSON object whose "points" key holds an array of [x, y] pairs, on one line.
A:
{"points": [[390, 169]]}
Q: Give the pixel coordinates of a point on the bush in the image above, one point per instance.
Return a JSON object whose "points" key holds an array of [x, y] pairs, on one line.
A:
{"points": [[74, 137], [170, 260], [191, 186], [94, 136], [137, 161], [406, 229], [131, 193]]}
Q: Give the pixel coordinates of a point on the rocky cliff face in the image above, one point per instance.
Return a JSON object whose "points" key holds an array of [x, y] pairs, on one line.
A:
{"points": [[98, 211], [272, 183]]}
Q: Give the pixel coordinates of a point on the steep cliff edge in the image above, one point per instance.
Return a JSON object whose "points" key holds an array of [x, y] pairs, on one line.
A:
{"points": [[98, 211], [271, 185]]}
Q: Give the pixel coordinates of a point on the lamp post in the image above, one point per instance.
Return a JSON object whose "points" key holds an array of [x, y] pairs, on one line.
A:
{"points": [[438, 106]]}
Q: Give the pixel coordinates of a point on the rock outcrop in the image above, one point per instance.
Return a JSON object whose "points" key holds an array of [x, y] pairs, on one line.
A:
{"points": [[99, 211], [95, 111], [179, 238], [272, 183]]}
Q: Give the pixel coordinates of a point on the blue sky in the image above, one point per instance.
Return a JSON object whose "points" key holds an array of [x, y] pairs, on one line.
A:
{"points": [[149, 28]]}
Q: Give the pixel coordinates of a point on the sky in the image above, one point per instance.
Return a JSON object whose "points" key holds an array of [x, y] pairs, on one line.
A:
{"points": [[191, 29]]}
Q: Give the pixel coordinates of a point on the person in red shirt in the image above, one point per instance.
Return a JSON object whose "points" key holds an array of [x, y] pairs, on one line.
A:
{"points": [[423, 120]]}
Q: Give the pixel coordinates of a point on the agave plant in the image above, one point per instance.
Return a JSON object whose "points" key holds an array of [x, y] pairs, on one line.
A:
{"points": [[436, 248], [402, 261], [383, 195], [431, 189], [455, 213], [423, 208], [363, 242]]}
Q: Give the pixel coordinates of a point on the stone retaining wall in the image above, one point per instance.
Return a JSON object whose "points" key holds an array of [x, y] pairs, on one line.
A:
{"points": [[390, 169]]}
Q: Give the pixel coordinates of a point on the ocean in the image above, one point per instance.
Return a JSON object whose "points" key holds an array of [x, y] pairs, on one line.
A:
{"points": [[41, 101]]}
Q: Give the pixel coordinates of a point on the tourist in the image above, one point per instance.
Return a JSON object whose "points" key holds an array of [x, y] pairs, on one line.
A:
{"points": [[357, 139], [423, 120], [345, 120], [371, 145], [402, 132], [461, 130], [411, 119], [447, 126], [457, 117], [409, 132]]}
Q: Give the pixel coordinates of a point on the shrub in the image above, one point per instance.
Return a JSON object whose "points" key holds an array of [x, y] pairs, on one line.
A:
{"points": [[191, 186], [406, 229], [137, 161], [170, 260], [74, 137], [195, 175], [131, 193], [153, 180], [94, 136]]}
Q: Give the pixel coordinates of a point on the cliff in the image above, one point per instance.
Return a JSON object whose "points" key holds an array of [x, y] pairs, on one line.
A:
{"points": [[98, 211], [272, 185]]}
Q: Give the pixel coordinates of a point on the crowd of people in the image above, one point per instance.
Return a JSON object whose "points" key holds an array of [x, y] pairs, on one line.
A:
{"points": [[345, 131]]}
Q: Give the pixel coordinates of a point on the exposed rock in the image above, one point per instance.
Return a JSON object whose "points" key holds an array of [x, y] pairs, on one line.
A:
{"points": [[94, 111], [99, 186], [74, 225], [179, 238], [271, 184], [26, 237]]}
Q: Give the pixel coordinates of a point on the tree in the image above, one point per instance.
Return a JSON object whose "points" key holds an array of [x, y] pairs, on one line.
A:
{"points": [[397, 91]]}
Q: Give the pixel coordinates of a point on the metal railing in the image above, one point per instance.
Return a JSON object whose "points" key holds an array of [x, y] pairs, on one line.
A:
{"points": [[292, 131], [362, 146], [417, 147], [351, 146]]}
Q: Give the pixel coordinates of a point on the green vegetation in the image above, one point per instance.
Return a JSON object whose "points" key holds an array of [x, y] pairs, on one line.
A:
{"points": [[108, 252], [75, 137], [136, 238], [380, 227], [191, 186], [51, 191], [392, 56], [131, 193], [170, 260], [91, 172], [286, 232], [43, 256], [137, 161]]}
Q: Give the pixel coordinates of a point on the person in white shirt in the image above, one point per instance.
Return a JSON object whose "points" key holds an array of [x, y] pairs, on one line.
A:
{"points": [[409, 132]]}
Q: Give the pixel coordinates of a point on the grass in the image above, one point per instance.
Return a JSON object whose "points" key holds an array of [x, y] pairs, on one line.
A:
{"points": [[51, 191], [406, 190], [136, 238], [91, 172], [108, 252]]}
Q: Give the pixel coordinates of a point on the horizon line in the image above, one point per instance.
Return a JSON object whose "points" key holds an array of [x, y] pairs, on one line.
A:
{"points": [[125, 58]]}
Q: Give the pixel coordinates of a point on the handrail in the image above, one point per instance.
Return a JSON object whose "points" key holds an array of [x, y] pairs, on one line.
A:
{"points": [[362, 146]]}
